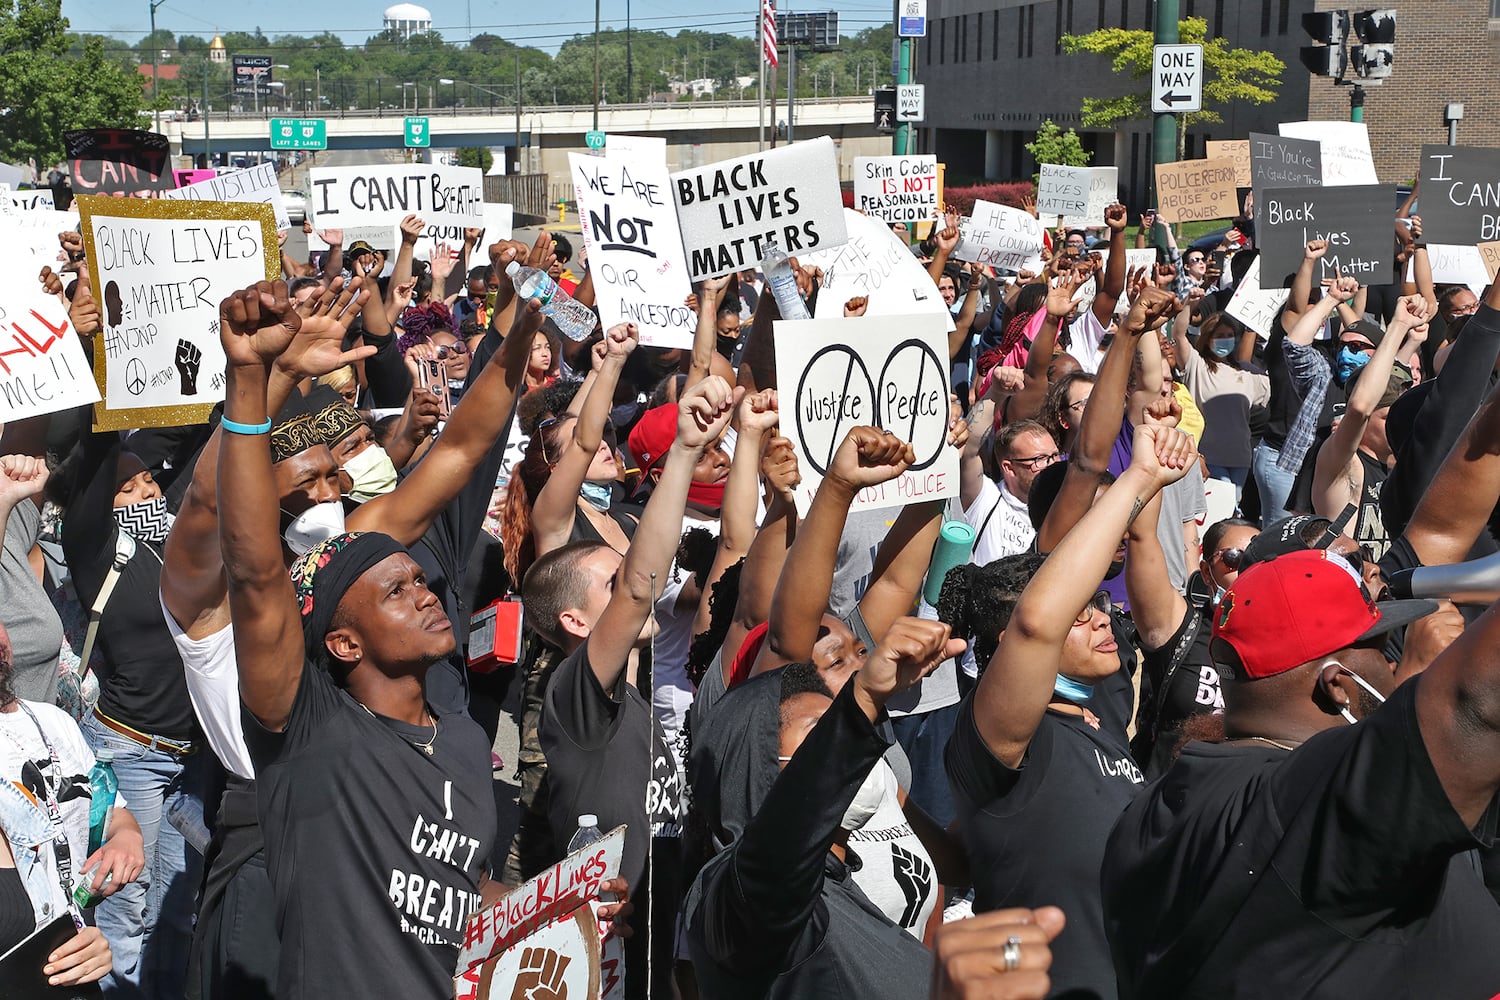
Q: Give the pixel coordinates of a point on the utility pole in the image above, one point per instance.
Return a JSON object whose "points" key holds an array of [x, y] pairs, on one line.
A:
{"points": [[518, 111], [902, 142], [629, 61], [207, 153], [155, 62], [596, 68], [1164, 126]]}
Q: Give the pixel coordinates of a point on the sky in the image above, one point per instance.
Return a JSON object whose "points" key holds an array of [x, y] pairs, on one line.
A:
{"points": [[512, 20]]}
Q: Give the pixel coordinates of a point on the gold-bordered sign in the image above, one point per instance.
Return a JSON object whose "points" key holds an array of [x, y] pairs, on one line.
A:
{"points": [[91, 207]]}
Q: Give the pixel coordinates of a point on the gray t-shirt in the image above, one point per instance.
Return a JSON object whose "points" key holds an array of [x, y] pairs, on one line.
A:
{"points": [[1181, 502], [36, 632], [863, 532]]}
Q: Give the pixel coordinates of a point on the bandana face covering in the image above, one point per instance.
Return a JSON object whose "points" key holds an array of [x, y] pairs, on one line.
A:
{"points": [[147, 521], [1350, 362]]}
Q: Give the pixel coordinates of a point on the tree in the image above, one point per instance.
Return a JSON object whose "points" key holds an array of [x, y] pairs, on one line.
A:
{"points": [[1230, 75], [43, 94], [476, 156], [1053, 145]]}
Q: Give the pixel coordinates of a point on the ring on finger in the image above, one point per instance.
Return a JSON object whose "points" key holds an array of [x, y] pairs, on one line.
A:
{"points": [[1010, 953]]}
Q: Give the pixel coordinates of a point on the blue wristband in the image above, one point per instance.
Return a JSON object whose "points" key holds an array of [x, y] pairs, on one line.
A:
{"points": [[234, 427]]}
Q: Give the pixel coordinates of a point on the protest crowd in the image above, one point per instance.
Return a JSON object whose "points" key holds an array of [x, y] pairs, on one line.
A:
{"points": [[1148, 655]]}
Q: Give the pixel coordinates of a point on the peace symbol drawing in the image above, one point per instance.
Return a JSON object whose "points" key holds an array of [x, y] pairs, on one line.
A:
{"points": [[135, 377]]}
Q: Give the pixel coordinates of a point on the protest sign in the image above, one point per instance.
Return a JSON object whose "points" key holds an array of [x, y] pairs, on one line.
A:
{"points": [[878, 265], [1346, 150], [123, 162], [1489, 254], [256, 184], [1356, 222], [182, 178], [367, 201], [36, 233], [629, 225], [1104, 191], [1237, 150], [1253, 305], [1460, 194], [1284, 162], [728, 211], [886, 371], [1195, 190], [1000, 236], [33, 198], [1457, 264], [7, 204], [546, 934], [159, 270], [42, 367], [896, 188], [620, 144], [498, 225], [1078, 194]]}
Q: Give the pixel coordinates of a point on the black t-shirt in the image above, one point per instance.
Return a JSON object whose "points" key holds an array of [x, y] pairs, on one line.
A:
{"points": [[1181, 680], [1035, 835], [1369, 522], [375, 849], [1338, 870]]}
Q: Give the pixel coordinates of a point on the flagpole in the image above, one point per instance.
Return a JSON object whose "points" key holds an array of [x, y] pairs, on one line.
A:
{"points": [[760, 34]]}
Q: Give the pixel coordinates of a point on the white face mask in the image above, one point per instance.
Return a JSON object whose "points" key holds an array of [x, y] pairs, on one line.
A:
{"points": [[372, 472], [1368, 689], [317, 523], [880, 782]]}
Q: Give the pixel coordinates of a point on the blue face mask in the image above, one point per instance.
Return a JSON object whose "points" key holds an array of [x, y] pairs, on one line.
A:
{"points": [[597, 495], [1223, 346], [1350, 362]]}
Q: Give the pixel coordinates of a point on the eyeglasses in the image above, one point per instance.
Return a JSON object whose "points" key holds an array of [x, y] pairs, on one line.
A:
{"points": [[1036, 463], [1079, 404], [1100, 602], [1231, 558]]}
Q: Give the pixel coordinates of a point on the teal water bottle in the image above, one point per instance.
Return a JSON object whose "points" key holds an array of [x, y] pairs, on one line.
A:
{"points": [[954, 546], [102, 788]]}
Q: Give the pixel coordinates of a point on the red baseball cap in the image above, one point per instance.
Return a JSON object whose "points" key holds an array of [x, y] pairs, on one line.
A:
{"points": [[653, 434], [1299, 607]]}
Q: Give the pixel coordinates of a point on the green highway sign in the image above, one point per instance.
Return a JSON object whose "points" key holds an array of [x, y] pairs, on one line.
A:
{"points": [[299, 133], [417, 133], [595, 140]]}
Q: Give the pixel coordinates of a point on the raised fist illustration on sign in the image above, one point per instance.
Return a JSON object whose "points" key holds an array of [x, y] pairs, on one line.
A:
{"points": [[189, 360], [541, 976]]}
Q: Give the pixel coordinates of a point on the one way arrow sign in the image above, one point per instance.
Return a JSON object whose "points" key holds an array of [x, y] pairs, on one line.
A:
{"points": [[1176, 79]]}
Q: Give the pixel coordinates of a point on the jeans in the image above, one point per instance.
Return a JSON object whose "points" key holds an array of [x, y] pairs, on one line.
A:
{"points": [[924, 737], [149, 923], [1274, 485], [1236, 474]]}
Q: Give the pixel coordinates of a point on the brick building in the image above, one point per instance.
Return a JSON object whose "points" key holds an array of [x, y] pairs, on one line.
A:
{"points": [[995, 69]]}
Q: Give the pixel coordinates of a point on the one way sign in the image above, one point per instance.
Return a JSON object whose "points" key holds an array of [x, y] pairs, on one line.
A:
{"points": [[1176, 78]]}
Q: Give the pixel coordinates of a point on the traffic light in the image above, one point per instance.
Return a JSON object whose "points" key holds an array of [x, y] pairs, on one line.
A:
{"points": [[1330, 28], [1377, 31]]}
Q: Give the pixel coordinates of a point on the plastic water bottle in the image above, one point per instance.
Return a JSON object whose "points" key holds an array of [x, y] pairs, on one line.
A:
{"points": [[573, 318], [589, 833], [777, 267], [103, 785]]}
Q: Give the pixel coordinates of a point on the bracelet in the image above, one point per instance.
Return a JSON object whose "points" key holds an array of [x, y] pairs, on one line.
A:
{"points": [[235, 427]]}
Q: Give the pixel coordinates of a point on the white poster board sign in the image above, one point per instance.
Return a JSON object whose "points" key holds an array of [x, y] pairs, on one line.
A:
{"points": [[897, 188], [255, 184], [1000, 236], [159, 270], [1104, 191], [498, 225], [875, 263], [37, 230], [1346, 150], [367, 202], [1062, 191], [730, 210], [885, 371], [1254, 306], [42, 367], [629, 225], [1457, 264]]}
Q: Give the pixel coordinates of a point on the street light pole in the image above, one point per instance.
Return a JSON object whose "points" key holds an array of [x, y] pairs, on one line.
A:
{"points": [[155, 62], [518, 108], [596, 70]]}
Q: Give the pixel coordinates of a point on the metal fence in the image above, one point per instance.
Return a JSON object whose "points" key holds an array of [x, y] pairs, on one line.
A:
{"points": [[527, 193]]}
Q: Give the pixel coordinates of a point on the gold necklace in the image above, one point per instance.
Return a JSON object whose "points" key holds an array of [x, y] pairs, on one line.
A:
{"points": [[1279, 746], [424, 747]]}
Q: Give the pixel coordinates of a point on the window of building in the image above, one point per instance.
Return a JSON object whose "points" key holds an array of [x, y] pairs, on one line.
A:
{"points": [[1218, 28], [1283, 17], [960, 37], [1057, 27], [942, 40], [1125, 12], [995, 39], [1265, 17], [1100, 23]]}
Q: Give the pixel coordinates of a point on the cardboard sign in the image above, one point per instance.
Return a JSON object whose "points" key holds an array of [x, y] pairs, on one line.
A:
{"points": [[1000, 236], [1253, 305], [896, 188], [629, 225], [1195, 190], [1237, 150], [877, 264], [125, 163], [42, 367], [545, 934], [1346, 150], [1283, 162], [159, 270], [1489, 253], [1356, 222], [254, 184], [885, 371], [729, 210], [1460, 194], [366, 202]]}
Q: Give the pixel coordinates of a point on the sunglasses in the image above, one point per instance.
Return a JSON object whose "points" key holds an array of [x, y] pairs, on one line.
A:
{"points": [[1099, 602], [457, 347], [1196, 260], [608, 435], [1231, 558]]}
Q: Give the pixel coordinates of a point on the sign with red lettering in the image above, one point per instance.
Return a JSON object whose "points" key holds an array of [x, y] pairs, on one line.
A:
{"points": [[897, 188], [42, 368], [123, 162], [544, 938], [885, 371]]}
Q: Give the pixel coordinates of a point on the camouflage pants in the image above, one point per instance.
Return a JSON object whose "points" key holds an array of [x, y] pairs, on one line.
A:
{"points": [[531, 849]]}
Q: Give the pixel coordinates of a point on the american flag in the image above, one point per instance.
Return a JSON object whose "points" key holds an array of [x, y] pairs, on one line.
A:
{"points": [[768, 28]]}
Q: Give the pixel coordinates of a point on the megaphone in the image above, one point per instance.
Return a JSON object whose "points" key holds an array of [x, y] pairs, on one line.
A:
{"points": [[1474, 582]]}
